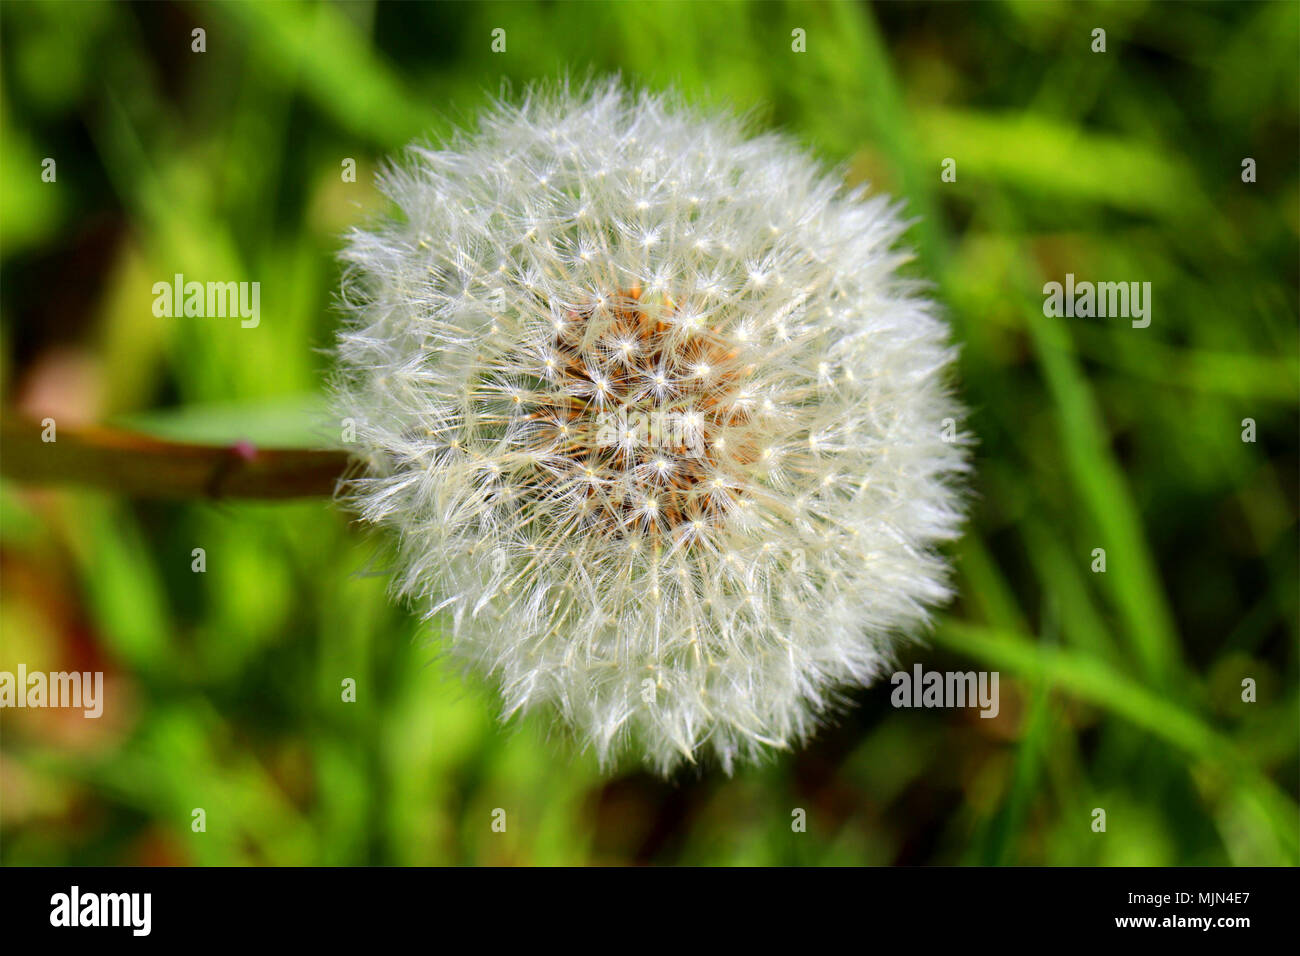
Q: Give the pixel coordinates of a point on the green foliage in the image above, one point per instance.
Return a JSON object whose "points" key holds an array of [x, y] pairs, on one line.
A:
{"points": [[1120, 690]]}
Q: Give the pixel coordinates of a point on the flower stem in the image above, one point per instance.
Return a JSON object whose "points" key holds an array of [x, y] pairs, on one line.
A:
{"points": [[139, 465]]}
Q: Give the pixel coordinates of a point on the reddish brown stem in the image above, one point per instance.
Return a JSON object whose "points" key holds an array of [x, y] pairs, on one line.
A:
{"points": [[142, 466]]}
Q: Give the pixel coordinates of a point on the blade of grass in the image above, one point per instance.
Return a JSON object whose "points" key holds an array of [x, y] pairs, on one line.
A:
{"points": [[1095, 682]]}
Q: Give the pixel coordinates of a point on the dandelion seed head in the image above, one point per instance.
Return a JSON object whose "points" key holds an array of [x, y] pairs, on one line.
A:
{"points": [[642, 394]]}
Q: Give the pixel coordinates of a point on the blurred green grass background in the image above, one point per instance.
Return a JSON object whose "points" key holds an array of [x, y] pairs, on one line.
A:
{"points": [[1120, 691]]}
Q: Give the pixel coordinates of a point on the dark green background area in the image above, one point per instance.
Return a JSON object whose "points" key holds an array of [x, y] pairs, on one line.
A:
{"points": [[1120, 690]]}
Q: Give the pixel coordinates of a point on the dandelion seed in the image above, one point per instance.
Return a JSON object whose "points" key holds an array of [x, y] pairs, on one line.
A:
{"points": [[764, 553]]}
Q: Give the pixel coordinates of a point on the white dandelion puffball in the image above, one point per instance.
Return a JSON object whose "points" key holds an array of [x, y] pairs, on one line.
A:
{"points": [[658, 426]]}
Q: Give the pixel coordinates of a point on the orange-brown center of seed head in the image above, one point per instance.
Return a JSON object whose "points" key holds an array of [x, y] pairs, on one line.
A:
{"points": [[644, 426]]}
